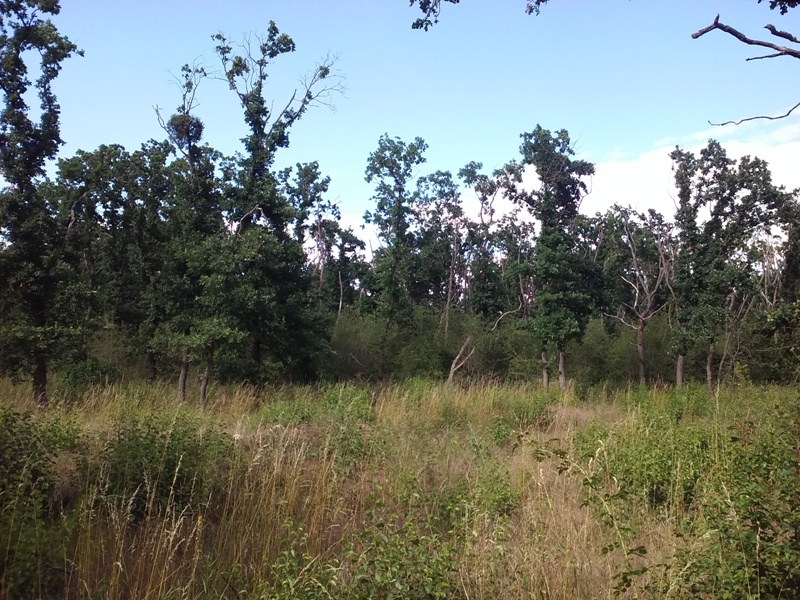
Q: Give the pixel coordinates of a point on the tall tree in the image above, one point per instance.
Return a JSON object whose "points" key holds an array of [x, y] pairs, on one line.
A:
{"points": [[566, 283], [123, 196], [713, 260], [431, 10], [391, 167], [639, 257], [487, 293], [438, 220], [37, 319], [271, 293]]}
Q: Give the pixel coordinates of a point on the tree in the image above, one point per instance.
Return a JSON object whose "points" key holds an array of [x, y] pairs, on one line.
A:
{"points": [[777, 49], [438, 219], [713, 263], [391, 166], [432, 8], [38, 320], [119, 233], [566, 283], [639, 262], [486, 293], [270, 289]]}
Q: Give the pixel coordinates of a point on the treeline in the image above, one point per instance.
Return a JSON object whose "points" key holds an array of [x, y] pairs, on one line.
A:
{"points": [[175, 258]]}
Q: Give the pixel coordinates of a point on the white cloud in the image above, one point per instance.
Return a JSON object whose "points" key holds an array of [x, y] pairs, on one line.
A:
{"points": [[647, 182]]}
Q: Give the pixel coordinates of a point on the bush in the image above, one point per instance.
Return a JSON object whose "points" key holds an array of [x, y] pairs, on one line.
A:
{"points": [[750, 518], [77, 377], [649, 458], [154, 461], [31, 536], [394, 558]]}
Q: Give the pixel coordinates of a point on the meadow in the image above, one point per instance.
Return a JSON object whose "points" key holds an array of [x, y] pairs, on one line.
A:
{"points": [[416, 489]]}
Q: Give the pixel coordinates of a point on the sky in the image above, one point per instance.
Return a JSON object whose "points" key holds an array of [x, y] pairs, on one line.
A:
{"points": [[624, 77]]}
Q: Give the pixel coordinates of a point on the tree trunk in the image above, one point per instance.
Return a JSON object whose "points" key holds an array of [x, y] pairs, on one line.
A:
{"points": [[204, 389], [460, 360], [709, 370], [545, 373], [450, 279], [562, 370], [679, 371], [183, 376], [204, 385], [640, 350], [255, 350], [341, 298], [207, 376], [152, 369], [40, 383]]}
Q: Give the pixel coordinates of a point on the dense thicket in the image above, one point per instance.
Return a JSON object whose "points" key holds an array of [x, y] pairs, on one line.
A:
{"points": [[174, 258]]}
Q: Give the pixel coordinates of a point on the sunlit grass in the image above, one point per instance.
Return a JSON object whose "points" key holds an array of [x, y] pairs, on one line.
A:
{"points": [[471, 491]]}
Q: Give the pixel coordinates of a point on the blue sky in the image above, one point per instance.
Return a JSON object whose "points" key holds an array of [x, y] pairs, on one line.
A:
{"points": [[623, 77]]}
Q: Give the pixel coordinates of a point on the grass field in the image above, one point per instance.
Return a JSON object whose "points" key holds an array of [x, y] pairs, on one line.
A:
{"points": [[410, 490]]}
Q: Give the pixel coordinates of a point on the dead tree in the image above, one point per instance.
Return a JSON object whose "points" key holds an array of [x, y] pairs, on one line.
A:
{"points": [[645, 262]]}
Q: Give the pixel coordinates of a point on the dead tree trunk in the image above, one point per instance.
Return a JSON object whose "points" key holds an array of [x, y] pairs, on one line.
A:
{"points": [[640, 349], [562, 370], [460, 360], [450, 280], [709, 369], [183, 376], [545, 372], [679, 370], [207, 375]]}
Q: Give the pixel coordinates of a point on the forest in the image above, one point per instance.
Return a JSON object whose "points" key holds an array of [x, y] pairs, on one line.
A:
{"points": [[173, 261], [203, 364]]}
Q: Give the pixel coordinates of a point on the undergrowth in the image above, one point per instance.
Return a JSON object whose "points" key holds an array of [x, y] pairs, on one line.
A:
{"points": [[409, 490]]}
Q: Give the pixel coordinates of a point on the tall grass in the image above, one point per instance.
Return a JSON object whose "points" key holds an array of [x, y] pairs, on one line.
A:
{"points": [[404, 490]]}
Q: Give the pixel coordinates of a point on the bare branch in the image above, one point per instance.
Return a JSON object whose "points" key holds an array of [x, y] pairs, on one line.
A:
{"points": [[459, 361], [778, 52], [783, 50], [776, 55], [767, 117], [255, 210], [72, 218], [505, 314], [782, 34]]}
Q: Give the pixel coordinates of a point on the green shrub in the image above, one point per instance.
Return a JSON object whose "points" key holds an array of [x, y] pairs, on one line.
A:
{"points": [[395, 558], [491, 492], [649, 458], [348, 401], [749, 522], [153, 461], [77, 377], [32, 536], [288, 412], [691, 400], [522, 413]]}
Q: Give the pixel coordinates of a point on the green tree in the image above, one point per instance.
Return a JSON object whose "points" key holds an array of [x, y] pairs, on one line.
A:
{"points": [[123, 196], [439, 221], [487, 293], [391, 167], [713, 263], [270, 287], [38, 316], [567, 284]]}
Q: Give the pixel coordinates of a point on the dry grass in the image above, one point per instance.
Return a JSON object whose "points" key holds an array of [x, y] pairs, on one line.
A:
{"points": [[465, 464]]}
